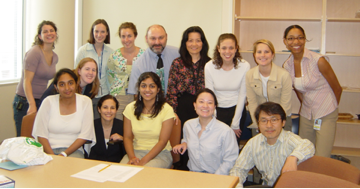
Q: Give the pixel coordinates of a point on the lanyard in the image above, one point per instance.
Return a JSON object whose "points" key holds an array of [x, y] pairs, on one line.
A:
{"points": [[101, 59]]}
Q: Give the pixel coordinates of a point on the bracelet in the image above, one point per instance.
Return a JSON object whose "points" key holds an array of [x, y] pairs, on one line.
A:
{"points": [[64, 154]]}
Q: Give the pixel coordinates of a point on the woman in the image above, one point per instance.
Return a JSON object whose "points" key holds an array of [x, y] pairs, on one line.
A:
{"points": [[186, 77], [268, 82], [97, 49], [148, 123], [225, 75], [88, 82], [109, 132], [120, 63], [38, 68], [65, 120], [317, 88], [211, 143]]}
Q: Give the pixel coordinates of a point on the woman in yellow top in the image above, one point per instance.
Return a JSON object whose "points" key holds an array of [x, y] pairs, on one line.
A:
{"points": [[268, 82], [148, 123]]}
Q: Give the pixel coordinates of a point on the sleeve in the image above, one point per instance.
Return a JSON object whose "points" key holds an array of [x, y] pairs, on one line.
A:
{"points": [[285, 99], [87, 127], [251, 97], [79, 56], [243, 164], [129, 111], [172, 91], [42, 118], [235, 123], [230, 150], [168, 112], [135, 74], [303, 148], [32, 59], [209, 82]]}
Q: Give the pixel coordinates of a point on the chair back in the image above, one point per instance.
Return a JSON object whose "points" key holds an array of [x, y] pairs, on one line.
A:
{"points": [[304, 179], [175, 138], [27, 125], [331, 167]]}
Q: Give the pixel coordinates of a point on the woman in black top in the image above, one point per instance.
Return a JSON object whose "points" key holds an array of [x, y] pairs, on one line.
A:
{"points": [[109, 132]]}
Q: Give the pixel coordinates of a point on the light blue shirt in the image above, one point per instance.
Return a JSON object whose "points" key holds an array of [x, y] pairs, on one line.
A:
{"points": [[147, 62], [215, 151], [88, 50]]}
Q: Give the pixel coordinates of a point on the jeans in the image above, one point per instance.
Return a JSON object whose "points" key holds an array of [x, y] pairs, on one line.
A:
{"points": [[21, 112]]}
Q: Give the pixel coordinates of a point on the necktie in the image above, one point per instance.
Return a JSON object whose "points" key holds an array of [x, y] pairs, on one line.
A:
{"points": [[160, 63]]}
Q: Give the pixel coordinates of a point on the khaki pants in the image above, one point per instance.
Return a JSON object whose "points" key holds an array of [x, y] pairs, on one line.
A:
{"points": [[322, 139]]}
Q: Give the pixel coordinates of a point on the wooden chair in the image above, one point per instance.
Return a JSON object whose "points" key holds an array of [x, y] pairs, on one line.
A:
{"points": [[175, 140], [27, 125], [304, 179], [331, 167]]}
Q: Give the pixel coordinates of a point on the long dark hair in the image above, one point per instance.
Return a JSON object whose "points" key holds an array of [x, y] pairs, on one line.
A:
{"points": [[37, 40], [184, 53], [206, 90], [91, 39], [62, 72], [159, 102], [217, 58], [107, 97]]}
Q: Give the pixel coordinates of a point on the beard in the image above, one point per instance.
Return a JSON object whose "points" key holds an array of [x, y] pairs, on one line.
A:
{"points": [[155, 48]]}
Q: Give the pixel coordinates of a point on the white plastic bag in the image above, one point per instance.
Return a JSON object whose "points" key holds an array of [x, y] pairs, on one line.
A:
{"points": [[23, 151]]}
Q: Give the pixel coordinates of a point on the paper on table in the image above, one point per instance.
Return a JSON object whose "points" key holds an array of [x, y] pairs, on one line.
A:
{"points": [[116, 173]]}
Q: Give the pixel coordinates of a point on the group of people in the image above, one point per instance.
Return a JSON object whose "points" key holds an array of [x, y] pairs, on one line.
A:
{"points": [[139, 95]]}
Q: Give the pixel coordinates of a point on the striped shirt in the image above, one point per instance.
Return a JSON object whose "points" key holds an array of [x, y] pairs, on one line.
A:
{"points": [[269, 159], [318, 98]]}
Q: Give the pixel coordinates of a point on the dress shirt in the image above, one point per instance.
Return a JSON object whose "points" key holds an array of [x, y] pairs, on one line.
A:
{"points": [[215, 151], [269, 159], [147, 62]]}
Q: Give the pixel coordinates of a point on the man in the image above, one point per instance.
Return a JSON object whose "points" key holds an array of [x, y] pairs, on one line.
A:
{"points": [[274, 150], [157, 58]]}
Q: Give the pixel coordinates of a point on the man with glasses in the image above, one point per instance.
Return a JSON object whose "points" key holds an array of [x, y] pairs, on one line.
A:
{"points": [[274, 150]]}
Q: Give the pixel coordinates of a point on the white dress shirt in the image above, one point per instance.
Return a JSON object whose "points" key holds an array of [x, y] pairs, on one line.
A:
{"points": [[215, 151]]}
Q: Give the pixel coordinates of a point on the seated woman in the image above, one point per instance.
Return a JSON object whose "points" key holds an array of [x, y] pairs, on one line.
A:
{"points": [[64, 122], [211, 143], [88, 82], [148, 123], [109, 132]]}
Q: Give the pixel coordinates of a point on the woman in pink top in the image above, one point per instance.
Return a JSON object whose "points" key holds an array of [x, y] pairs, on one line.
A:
{"points": [[317, 88], [38, 68]]}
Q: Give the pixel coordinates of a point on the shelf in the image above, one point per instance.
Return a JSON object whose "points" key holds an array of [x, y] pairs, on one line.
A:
{"points": [[345, 151], [240, 18], [349, 121], [351, 90], [277, 52], [342, 54], [343, 19]]}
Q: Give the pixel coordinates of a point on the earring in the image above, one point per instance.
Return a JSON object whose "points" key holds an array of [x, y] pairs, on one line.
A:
{"points": [[139, 97], [157, 97]]}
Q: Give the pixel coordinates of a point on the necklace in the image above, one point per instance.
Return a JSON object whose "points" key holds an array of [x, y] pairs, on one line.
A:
{"points": [[148, 111]]}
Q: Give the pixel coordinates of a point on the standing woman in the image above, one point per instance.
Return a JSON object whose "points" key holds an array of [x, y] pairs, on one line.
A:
{"points": [[38, 68], [148, 123], [268, 82], [225, 75], [317, 88], [120, 64], [109, 132], [97, 49], [65, 120]]}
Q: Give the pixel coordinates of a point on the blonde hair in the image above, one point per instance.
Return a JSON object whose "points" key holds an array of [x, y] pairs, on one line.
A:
{"points": [[96, 82], [266, 42]]}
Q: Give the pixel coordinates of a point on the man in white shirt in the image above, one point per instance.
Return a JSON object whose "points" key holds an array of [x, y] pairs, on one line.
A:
{"points": [[274, 150]]}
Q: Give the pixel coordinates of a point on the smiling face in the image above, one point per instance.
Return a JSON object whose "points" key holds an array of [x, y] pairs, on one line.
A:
{"points": [[100, 33], [156, 38], [48, 34], [263, 55], [66, 86], [127, 37], [87, 73], [194, 43], [270, 126], [205, 105], [295, 41], [227, 50], [148, 89], [108, 110]]}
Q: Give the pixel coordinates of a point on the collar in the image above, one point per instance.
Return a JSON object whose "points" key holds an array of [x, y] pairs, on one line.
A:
{"points": [[90, 47], [209, 126], [273, 72], [151, 53], [306, 55]]}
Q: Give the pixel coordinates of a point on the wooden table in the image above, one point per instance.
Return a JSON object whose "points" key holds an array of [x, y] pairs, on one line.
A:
{"points": [[57, 174]]}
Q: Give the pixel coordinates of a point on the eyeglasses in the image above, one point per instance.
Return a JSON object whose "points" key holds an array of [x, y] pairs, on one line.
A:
{"points": [[292, 39], [272, 121]]}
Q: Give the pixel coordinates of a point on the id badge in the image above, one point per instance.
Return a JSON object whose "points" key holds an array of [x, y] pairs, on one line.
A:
{"points": [[317, 124]]}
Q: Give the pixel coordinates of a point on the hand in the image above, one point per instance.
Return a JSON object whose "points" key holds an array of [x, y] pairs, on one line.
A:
{"points": [[176, 119], [237, 132], [180, 148], [116, 137], [134, 161], [32, 109], [290, 164]]}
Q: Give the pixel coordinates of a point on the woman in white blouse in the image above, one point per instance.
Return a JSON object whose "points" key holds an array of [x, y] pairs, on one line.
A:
{"points": [[64, 121], [211, 143]]}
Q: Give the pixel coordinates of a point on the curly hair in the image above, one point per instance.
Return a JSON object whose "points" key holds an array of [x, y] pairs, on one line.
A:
{"points": [[217, 58], [96, 83], [37, 40]]}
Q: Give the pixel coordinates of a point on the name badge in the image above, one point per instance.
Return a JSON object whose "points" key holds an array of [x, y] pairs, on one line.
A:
{"points": [[317, 124]]}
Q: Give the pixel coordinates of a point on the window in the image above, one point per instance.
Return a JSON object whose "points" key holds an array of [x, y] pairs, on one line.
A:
{"points": [[11, 37]]}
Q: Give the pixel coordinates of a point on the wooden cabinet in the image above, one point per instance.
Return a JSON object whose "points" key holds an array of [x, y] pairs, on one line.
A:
{"points": [[331, 27]]}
